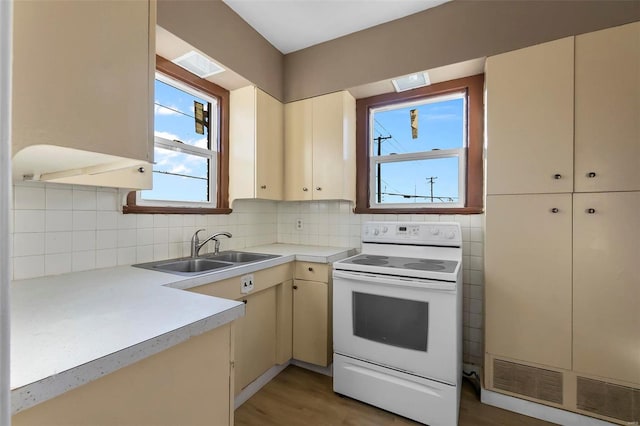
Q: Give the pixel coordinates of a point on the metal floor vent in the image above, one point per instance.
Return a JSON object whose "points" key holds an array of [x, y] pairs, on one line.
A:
{"points": [[607, 399], [545, 385]]}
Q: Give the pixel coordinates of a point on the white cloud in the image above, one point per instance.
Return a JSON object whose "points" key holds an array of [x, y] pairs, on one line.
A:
{"points": [[167, 135]]}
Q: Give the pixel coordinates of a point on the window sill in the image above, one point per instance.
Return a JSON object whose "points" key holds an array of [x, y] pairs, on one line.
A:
{"points": [[455, 210], [132, 207]]}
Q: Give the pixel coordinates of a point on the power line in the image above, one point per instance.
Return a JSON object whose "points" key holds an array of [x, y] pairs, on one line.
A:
{"points": [[400, 146]]}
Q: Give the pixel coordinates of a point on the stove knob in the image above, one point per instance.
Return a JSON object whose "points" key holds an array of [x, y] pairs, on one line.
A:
{"points": [[384, 229], [450, 235], [435, 231], [376, 231]]}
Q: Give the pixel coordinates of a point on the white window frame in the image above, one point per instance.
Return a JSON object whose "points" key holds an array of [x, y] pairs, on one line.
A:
{"points": [[210, 154], [460, 153]]}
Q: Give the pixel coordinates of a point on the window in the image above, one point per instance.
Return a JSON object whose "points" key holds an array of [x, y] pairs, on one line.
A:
{"points": [[190, 171], [421, 150]]}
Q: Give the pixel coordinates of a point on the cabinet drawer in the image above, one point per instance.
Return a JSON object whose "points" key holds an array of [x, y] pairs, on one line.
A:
{"points": [[312, 271]]}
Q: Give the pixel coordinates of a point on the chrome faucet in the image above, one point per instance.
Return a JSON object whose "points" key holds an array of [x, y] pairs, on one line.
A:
{"points": [[196, 245]]}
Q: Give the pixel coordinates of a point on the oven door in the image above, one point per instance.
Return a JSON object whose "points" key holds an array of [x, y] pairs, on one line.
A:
{"points": [[396, 323]]}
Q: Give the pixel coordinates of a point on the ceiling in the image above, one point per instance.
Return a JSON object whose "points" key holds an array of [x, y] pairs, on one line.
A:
{"points": [[291, 25]]}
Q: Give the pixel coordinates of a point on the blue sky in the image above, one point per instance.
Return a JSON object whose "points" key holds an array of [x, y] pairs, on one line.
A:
{"points": [[173, 114], [440, 126]]}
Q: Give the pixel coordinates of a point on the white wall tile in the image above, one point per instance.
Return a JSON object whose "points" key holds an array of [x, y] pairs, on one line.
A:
{"points": [[126, 255], [58, 220], [59, 199], [144, 254], [126, 238], [83, 260], [28, 267], [58, 242], [83, 240], [59, 263], [107, 200], [29, 221], [28, 244], [84, 199], [107, 220], [144, 236], [27, 197], [106, 239], [84, 220], [106, 258]]}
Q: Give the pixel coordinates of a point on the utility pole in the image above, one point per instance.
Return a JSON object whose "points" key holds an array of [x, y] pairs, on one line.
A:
{"points": [[380, 139], [431, 182]]}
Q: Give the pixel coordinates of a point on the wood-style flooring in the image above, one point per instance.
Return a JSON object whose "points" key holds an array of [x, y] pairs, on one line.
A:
{"points": [[298, 397]]}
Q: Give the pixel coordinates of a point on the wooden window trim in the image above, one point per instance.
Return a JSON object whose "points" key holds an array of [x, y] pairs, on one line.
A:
{"points": [[474, 87], [222, 201]]}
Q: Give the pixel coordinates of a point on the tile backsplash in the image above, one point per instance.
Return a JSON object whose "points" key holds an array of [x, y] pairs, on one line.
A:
{"points": [[62, 228]]}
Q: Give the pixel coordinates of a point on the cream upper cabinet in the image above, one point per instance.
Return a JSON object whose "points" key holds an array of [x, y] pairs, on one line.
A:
{"points": [[606, 285], [298, 154], [83, 91], [256, 137], [607, 108], [530, 119], [528, 278], [320, 148]]}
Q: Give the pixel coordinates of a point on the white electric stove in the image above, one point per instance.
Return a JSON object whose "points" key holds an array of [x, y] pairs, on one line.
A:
{"points": [[397, 320]]}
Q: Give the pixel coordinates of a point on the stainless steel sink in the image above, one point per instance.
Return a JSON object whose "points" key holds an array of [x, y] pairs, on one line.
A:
{"points": [[240, 257], [205, 264]]}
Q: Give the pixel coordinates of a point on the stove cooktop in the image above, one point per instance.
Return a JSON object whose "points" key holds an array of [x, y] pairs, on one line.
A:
{"points": [[402, 263]]}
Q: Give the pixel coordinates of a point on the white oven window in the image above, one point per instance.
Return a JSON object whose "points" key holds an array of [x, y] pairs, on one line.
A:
{"points": [[392, 321]]}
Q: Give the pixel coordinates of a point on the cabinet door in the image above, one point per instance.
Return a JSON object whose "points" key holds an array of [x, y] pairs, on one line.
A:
{"points": [[298, 184], [331, 146], [255, 336], [82, 76], [310, 322], [608, 110], [528, 278], [530, 120], [269, 147], [606, 285]]}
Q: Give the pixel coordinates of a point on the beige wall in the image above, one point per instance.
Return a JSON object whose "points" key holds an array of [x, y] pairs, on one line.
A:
{"points": [[211, 26], [450, 33]]}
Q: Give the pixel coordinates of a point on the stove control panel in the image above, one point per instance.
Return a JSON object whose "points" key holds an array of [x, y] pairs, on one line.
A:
{"points": [[419, 233]]}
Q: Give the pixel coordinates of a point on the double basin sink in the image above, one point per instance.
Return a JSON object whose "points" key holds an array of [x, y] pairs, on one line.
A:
{"points": [[205, 263]]}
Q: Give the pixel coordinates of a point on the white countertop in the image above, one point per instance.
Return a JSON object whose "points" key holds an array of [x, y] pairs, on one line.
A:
{"points": [[70, 329]]}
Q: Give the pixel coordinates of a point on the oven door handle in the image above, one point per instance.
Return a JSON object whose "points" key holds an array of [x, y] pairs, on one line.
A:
{"points": [[395, 281]]}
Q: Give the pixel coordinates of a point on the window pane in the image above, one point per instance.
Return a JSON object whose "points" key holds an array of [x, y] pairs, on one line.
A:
{"points": [[174, 115], [440, 125], [179, 177], [419, 181]]}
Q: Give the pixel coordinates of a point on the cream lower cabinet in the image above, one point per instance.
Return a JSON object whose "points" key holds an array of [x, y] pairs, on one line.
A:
{"points": [[312, 333], [188, 384], [255, 345], [83, 91], [561, 297], [320, 148], [263, 337], [256, 142], [528, 278], [606, 286]]}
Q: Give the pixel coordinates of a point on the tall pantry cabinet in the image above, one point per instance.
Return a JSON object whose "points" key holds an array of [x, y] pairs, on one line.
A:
{"points": [[562, 224]]}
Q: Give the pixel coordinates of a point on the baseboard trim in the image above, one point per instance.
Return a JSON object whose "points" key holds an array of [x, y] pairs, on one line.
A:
{"points": [[253, 387], [258, 384], [539, 411], [327, 371]]}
